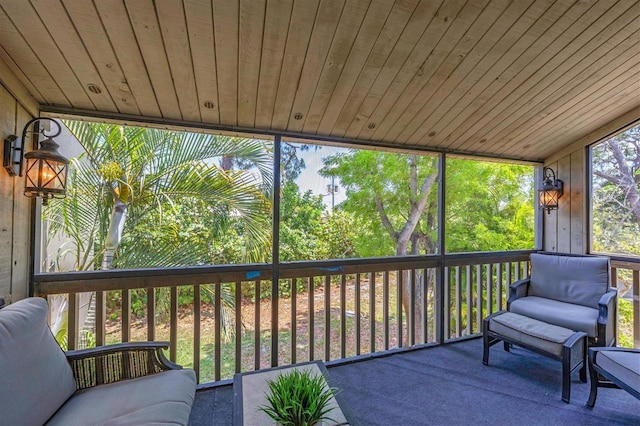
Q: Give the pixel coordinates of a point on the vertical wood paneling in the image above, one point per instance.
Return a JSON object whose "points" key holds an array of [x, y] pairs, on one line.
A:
{"points": [[550, 223], [577, 203], [21, 255], [563, 172], [8, 107]]}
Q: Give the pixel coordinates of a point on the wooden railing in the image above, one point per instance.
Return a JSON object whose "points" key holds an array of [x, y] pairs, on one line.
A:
{"points": [[625, 276], [328, 310]]}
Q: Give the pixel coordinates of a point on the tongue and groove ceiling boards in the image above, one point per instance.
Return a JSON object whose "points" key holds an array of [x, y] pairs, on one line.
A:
{"points": [[517, 79]]}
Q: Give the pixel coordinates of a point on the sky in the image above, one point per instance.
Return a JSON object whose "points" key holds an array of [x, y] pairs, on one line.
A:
{"points": [[310, 179]]}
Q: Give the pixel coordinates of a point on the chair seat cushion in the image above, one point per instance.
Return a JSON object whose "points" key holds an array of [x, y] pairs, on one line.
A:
{"points": [[567, 315], [624, 366], [163, 398]]}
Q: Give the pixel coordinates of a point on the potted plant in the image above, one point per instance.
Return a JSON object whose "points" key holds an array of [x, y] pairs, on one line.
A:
{"points": [[299, 397]]}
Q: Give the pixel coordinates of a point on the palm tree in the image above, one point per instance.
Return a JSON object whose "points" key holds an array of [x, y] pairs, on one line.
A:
{"points": [[129, 175]]}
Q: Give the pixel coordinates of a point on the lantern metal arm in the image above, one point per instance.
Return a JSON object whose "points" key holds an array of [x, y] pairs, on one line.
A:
{"points": [[551, 190]]}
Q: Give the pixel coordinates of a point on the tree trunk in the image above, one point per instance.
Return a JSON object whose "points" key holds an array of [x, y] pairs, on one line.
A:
{"points": [[114, 235]]}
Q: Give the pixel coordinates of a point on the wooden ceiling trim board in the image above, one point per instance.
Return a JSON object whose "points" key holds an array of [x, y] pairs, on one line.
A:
{"points": [[594, 105], [17, 54], [609, 104], [553, 41], [389, 114], [375, 38], [623, 100], [116, 23], [499, 20], [276, 29], [86, 22], [28, 23], [56, 20], [562, 72], [201, 42], [577, 83], [173, 27], [144, 20], [489, 84], [298, 40], [10, 81], [225, 25], [624, 121], [454, 89], [401, 21], [251, 27], [351, 22], [410, 52], [324, 30]]}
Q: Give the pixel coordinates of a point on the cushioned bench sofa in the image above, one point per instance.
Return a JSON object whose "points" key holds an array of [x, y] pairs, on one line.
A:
{"points": [[129, 383]]}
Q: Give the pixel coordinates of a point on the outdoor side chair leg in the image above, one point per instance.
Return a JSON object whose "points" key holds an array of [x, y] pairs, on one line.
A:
{"points": [[485, 353], [507, 347], [566, 374]]}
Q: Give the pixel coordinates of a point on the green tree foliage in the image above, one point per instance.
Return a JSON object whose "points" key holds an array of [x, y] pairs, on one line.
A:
{"points": [[489, 206], [616, 194]]}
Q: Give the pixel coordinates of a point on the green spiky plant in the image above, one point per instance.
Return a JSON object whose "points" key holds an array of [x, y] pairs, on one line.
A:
{"points": [[299, 398]]}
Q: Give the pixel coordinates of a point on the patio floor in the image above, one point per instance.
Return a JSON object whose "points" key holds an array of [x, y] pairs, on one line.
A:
{"points": [[450, 385]]}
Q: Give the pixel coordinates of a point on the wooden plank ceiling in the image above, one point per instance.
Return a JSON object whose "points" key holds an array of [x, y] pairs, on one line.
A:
{"points": [[507, 78]]}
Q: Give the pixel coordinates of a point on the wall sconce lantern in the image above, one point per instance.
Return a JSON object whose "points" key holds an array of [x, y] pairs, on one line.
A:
{"points": [[46, 168], [550, 191]]}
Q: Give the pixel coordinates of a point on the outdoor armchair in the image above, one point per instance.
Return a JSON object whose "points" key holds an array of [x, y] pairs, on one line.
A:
{"points": [[614, 368], [129, 383], [573, 292]]}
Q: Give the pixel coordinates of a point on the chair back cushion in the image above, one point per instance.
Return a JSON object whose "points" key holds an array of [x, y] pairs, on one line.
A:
{"points": [[572, 279], [35, 377]]}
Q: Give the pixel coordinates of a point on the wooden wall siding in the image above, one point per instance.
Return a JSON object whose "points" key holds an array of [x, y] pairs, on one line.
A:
{"points": [[564, 229], [15, 217], [516, 79]]}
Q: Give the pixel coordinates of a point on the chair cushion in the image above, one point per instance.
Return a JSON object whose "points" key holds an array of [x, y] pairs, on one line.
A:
{"points": [[163, 398], [35, 377], [567, 315], [577, 280], [624, 366]]}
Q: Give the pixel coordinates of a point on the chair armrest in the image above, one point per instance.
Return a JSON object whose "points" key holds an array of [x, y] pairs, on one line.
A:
{"points": [[517, 290], [606, 310], [112, 363]]}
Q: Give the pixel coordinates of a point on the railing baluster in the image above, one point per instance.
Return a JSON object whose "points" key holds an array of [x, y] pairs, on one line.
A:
{"points": [[173, 335], [126, 315], [411, 326], [101, 315], [372, 312], [238, 324], [458, 303], [446, 303], [517, 271], [294, 319], [479, 313], [312, 326], [72, 322], [636, 308], [425, 305], [399, 284], [499, 290], [385, 309], [218, 331], [257, 348], [327, 318], [489, 284], [196, 329], [151, 314], [343, 316], [469, 328], [357, 309]]}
